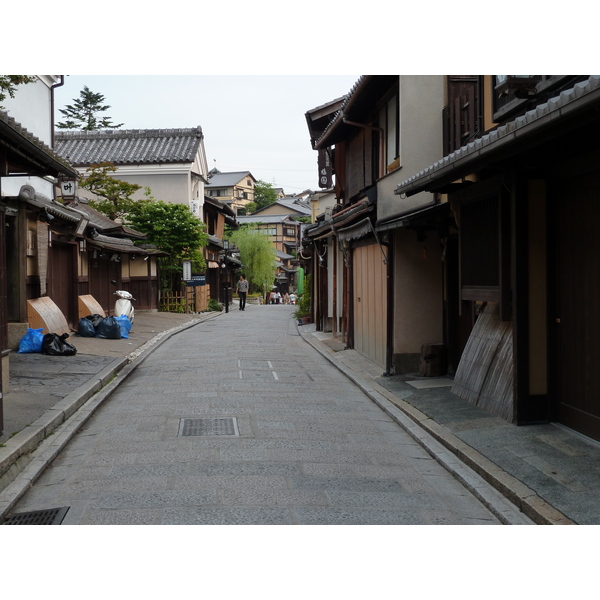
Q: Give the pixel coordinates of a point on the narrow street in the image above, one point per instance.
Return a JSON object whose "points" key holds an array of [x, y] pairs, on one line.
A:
{"points": [[239, 421]]}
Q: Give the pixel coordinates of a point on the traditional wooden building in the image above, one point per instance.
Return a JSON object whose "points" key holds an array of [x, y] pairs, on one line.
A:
{"points": [[20, 153], [522, 180], [378, 283], [221, 261]]}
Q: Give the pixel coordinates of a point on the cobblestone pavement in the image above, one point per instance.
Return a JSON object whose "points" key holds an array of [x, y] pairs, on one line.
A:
{"points": [[239, 421]]}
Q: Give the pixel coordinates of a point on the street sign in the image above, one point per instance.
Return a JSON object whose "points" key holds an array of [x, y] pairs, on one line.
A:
{"points": [[187, 269], [196, 280]]}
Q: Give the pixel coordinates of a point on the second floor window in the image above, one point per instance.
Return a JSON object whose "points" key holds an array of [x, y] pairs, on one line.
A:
{"points": [[389, 121]]}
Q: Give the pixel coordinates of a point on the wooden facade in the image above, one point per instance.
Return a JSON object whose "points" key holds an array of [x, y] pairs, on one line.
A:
{"points": [[369, 309], [525, 265]]}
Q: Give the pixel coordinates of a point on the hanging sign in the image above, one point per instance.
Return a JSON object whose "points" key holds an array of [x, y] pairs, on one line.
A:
{"points": [[325, 174], [68, 188]]}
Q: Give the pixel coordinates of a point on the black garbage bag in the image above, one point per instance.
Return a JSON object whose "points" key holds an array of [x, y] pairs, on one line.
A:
{"points": [[86, 327], [57, 345], [108, 329], [95, 319]]}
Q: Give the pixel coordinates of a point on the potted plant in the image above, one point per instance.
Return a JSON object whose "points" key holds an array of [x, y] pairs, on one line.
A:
{"points": [[304, 313]]}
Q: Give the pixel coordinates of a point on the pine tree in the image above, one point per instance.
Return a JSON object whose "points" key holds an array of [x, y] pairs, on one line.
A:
{"points": [[83, 113]]}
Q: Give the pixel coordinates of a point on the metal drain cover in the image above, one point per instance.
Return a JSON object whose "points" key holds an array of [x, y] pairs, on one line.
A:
{"points": [[52, 516], [208, 427]]}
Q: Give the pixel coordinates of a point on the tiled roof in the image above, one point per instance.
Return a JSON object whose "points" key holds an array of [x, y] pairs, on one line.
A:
{"points": [[265, 219], [26, 142], [218, 179], [129, 146], [298, 205]]}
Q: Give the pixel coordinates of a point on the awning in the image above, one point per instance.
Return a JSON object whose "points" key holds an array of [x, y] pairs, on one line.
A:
{"points": [[429, 216], [339, 219], [523, 134], [356, 231]]}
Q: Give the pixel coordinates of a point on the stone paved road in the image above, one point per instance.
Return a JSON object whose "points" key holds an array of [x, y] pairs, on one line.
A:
{"points": [[305, 445]]}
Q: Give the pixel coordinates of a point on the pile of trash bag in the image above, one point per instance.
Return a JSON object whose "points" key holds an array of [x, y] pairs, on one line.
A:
{"points": [[108, 328], [50, 343]]}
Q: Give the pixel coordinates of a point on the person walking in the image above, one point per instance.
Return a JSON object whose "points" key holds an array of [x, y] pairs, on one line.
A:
{"points": [[242, 287]]}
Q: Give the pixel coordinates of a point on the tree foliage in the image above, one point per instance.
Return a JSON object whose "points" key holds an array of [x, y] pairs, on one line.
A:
{"points": [[83, 113], [257, 254], [173, 228], [114, 196], [264, 195], [9, 83]]}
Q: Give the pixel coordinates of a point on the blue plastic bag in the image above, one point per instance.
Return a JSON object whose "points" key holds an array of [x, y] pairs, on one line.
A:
{"points": [[31, 341], [125, 325]]}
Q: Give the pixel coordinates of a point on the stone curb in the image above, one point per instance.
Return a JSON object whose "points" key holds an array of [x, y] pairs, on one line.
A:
{"points": [[523, 497], [29, 452]]}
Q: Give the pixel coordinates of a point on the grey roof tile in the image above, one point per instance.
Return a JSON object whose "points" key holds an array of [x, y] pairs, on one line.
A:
{"points": [[218, 179], [129, 146]]}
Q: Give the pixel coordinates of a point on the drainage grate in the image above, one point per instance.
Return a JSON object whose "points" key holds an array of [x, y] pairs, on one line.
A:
{"points": [[52, 516], [208, 427]]}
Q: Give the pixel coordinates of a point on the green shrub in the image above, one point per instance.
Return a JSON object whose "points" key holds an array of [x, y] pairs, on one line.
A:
{"points": [[214, 306]]}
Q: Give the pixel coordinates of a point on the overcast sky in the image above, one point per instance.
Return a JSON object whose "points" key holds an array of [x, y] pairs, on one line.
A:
{"points": [[255, 123]]}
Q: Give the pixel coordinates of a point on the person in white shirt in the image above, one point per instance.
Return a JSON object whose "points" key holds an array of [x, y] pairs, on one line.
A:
{"points": [[242, 288]]}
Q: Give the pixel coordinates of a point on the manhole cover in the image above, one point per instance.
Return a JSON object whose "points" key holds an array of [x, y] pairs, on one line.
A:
{"points": [[52, 516], [208, 427]]}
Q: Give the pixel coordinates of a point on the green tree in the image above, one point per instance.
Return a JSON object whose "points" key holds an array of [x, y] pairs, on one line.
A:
{"points": [[173, 228], [83, 113], [257, 254], [114, 196], [9, 83], [264, 195]]}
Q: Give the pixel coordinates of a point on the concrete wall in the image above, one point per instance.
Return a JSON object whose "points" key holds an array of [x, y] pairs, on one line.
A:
{"points": [[418, 298], [421, 144]]}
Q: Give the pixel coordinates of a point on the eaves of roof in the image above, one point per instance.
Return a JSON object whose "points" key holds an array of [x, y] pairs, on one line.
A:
{"points": [[319, 117], [102, 223], [43, 159], [121, 235], [343, 218], [358, 105], [220, 206], [518, 135]]}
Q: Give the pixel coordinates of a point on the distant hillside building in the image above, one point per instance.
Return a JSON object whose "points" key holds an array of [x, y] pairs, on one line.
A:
{"points": [[235, 188]]}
